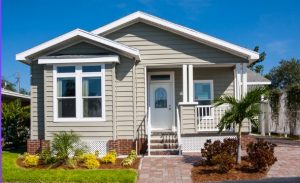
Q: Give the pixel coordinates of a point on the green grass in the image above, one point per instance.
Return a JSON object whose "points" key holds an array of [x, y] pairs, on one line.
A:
{"points": [[13, 173]]}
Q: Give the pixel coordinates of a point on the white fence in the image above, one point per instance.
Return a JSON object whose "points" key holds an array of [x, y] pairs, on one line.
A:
{"points": [[208, 116]]}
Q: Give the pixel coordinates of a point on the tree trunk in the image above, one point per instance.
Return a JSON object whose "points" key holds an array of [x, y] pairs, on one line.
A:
{"points": [[239, 150]]}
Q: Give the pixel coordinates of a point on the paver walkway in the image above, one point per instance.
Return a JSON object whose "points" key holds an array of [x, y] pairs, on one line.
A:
{"points": [[178, 169]]}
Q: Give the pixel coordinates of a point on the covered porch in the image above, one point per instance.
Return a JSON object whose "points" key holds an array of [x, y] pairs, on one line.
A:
{"points": [[180, 98]]}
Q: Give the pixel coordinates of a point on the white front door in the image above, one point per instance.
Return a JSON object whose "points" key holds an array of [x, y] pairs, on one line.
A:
{"points": [[161, 101]]}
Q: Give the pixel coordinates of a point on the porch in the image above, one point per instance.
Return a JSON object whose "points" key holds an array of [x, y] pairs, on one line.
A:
{"points": [[180, 102]]}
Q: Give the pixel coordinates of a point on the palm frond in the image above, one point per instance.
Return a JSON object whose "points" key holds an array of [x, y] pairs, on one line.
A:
{"points": [[225, 99]]}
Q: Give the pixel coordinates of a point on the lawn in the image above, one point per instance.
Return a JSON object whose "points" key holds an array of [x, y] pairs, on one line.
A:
{"points": [[12, 173]]}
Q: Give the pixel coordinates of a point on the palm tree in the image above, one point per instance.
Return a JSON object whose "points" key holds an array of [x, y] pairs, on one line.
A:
{"points": [[246, 108]]}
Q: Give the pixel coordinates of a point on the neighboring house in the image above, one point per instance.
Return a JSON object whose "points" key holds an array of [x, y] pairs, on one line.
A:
{"points": [[8, 96], [136, 81]]}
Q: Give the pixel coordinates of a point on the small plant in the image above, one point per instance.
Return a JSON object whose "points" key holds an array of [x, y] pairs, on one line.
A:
{"points": [[47, 157], [261, 154], [71, 163], [211, 150], [97, 153], [92, 163], [66, 143], [129, 160], [109, 157], [224, 161], [30, 160]]}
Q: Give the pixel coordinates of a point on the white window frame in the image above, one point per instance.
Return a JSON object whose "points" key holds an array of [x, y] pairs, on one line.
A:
{"points": [[78, 74], [211, 82]]}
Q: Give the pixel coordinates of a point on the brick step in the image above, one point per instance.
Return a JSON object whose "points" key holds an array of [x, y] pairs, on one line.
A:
{"points": [[164, 146], [156, 140], [164, 152]]}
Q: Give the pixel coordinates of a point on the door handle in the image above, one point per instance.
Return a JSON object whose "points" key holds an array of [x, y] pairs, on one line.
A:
{"points": [[169, 107]]}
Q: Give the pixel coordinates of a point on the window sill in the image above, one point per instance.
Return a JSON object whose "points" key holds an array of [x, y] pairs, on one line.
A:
{"points": [[77, 120], [188, 103]]}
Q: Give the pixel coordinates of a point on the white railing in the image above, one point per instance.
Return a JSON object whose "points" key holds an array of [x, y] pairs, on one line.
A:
{"points": [[178, 130], [149, 131], [208, 117]]}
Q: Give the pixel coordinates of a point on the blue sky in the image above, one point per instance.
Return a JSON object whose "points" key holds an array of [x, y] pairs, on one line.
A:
{"points": [[274, 25]]}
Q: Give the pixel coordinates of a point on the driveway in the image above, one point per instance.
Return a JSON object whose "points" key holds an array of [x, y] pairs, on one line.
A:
{"points": [[178, 169]]}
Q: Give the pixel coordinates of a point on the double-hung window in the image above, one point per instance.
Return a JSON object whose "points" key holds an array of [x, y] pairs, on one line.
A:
{"points": [[203, 94], [79, 93]]}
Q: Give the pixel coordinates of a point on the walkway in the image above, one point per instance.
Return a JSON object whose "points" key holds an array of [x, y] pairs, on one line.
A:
{"points": [[178, 169]]}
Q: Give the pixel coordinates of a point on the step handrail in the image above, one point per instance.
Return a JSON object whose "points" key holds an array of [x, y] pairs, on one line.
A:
{"points": [[178, 130], [149, 130]]}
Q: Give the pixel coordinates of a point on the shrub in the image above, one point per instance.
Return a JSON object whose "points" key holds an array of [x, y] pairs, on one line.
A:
{"points": [[71, 163], [92, 163], [261, 154], [87, 156], [47, 157], [66, 143], [224, 161], [129, 160], [228, 146], [31, 160], [109, 157]]}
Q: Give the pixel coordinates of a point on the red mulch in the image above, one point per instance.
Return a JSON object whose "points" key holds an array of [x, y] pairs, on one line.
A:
{"points": [[117, 165], [208, 173]]}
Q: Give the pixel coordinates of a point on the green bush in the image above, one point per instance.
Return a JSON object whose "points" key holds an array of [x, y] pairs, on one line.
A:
{"points": [[224, 161], [31, 160], [71, 163], [129, 160], [47, 157], [15, 123], [110, 157], [66, 143], [92, 163], [228, 146], [261, 154]]}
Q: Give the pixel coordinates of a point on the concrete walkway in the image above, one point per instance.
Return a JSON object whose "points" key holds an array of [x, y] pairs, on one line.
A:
{"points": [[178, 169]]}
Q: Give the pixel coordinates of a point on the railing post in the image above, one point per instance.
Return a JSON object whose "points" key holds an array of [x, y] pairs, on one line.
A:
{"points": [[149, 131], [178, 130]]}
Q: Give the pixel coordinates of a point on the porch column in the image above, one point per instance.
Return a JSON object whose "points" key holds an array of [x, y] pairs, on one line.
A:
{"points": [[191, 84], [184, 83], [238, 81], [244, 80]]}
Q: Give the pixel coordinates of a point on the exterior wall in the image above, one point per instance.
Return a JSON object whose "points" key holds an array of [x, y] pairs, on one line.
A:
{"points": [[158, 46], [37, 102]]}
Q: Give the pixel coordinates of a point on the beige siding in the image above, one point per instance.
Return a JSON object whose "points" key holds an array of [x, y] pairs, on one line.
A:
{"points": [[188, 119], [37, 101], [158, 46]]}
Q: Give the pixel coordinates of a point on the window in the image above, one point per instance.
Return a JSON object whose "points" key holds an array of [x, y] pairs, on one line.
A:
{"points": [[203, 92], [79, 93], [160, 98]]}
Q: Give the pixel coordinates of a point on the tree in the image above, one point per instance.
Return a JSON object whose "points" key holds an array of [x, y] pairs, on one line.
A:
{"points": [[8, 85], [15, 122], [286, 74], [246, 108], [254, 65]]}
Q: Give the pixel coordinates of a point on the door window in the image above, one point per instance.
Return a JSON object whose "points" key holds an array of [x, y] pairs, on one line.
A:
{"points": [[160, 98]]}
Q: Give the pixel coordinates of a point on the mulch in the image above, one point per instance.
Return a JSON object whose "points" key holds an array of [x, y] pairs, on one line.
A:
{"points": [[117, 165], [209, 173]]}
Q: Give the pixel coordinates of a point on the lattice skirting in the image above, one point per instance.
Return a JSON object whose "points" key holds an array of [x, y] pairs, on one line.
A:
{"points": [[99, 145], [194, 144]]}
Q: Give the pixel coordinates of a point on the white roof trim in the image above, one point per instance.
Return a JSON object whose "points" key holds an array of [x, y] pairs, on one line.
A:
{"points": [[193, 34], [259, 83], [14, 94], [99, 59], [23, 56]]}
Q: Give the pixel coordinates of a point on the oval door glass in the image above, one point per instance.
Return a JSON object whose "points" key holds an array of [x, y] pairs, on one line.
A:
{"points": [[160, 98]]}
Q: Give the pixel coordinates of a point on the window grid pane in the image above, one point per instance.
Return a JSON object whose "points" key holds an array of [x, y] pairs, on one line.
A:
{"points": [[66, 69]]}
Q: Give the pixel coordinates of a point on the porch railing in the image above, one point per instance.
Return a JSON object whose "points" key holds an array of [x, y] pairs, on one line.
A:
{"points": [[149, 131], [178, 124], [208, 116]]}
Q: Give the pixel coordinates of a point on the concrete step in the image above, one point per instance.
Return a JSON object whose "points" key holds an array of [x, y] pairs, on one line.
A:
{"points": [[158, 140], [164, 146], [164, 152]]}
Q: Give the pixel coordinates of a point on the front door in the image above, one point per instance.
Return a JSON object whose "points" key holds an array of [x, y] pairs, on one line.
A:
{"points": [[161, 101]]}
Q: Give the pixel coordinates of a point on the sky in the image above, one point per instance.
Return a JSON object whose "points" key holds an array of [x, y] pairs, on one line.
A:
{"points": [[273, 25]]}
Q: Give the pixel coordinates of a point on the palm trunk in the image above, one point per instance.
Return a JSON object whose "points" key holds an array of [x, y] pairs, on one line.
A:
{"points": [[239, 150]]}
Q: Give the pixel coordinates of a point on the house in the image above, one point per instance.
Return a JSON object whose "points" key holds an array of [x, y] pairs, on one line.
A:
{"points": [[8, 96], [140, 82]]}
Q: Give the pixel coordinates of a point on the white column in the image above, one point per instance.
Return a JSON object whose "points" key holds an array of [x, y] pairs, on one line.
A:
{"points": [[191, 84], [244, 79], [238, 81], [184, 83]]}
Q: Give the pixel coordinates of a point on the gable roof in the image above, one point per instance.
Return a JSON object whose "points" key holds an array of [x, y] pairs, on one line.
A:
{"points": [[25, 56], [177, 29], [254, 78]]}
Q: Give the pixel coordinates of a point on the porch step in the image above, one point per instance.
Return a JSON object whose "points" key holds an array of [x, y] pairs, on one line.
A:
{"points": [[163, 141], [164, 152], [155, 146]]}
